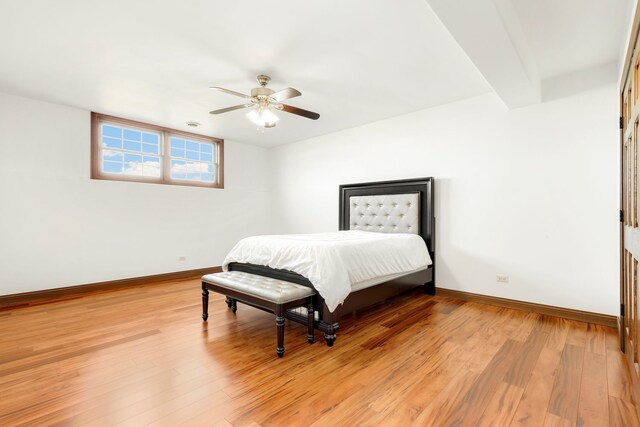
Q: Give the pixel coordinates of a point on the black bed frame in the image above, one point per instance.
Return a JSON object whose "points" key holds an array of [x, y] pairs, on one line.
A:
{"points": [[327, 321]]}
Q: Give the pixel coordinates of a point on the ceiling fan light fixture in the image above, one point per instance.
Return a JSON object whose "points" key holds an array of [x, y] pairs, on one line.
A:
{"points": [[263, 117], [262, 101]]}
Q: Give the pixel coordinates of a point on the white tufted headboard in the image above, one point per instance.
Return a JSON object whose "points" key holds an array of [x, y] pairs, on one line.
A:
{"points": [[385, 213], [407, 207]]}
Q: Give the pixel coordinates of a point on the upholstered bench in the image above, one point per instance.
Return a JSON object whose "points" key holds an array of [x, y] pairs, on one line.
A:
{"points": [[261, 292]]}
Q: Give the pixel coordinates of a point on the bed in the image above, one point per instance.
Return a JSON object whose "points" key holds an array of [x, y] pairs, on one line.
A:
{"points": [[402, 206]]}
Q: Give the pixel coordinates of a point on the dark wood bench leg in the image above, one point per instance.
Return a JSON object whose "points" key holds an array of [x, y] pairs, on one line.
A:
{"points": [[205, 303], [310, 320], [280, 330], [232, 303]]}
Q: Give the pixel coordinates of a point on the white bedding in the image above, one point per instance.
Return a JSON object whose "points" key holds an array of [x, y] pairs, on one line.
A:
{"points": [[334, 261]]}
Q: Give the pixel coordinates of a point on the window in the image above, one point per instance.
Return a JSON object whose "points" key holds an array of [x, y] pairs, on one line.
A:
{"points": [[191, 160], [125, 150]]}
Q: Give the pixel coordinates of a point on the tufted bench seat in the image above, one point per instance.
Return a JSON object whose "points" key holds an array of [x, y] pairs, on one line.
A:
{"points": [[265, 293]]}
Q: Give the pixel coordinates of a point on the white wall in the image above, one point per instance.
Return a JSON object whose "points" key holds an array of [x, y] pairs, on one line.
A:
{"points": [[60, 228], [530, 193]]}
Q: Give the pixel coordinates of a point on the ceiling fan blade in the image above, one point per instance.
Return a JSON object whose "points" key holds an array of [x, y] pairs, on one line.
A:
{"points": [[300, 112], [230, 92], [287, 93], [226, 110]]}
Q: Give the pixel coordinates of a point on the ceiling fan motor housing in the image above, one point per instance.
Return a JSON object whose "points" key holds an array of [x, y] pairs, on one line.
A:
{"points": [[261, 91]]}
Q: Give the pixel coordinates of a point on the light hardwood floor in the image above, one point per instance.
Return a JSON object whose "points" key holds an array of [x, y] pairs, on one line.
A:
{"points": [[143, 356]]}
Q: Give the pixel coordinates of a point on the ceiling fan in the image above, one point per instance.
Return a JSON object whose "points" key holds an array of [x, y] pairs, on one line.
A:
{"points": [[263, 100]]}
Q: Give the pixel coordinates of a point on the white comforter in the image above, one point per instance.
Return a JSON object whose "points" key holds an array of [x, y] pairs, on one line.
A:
{"points": [[334, 261]]}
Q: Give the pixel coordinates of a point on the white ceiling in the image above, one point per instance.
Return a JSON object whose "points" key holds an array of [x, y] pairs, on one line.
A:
{"points": [[354, 61], [570, 35]]}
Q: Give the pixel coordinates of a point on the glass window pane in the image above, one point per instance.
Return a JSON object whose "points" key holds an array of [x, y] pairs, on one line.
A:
{"points": [[111, 142], [177, 152], [206, 148], [151, 171], [178, 168], [132, 146], [198, 167], [132, 158], [177, 143], [206, 157], [133, 169], [150, 138], [111, 131], [193, 155], [113, 156], [132, 164], [112, 167], [208, 177], [150, 148], [193, 146], [152, 159], [151, 166], [132, 135], [190, 170]]}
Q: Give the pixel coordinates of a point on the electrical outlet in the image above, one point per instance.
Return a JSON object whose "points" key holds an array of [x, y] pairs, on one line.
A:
{"points": [[182, 258], [502, 278]]}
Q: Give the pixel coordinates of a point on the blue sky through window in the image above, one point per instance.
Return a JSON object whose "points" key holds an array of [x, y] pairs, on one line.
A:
{"points": [[130, 152], [191, 160]]}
